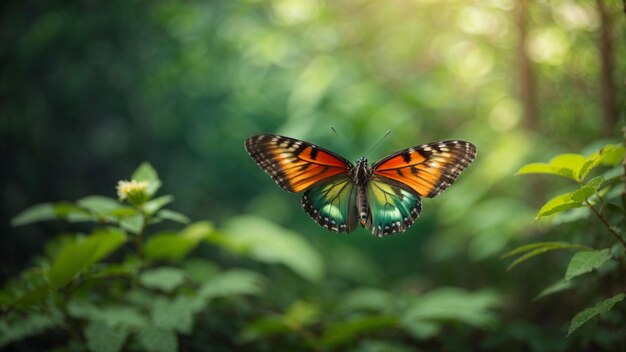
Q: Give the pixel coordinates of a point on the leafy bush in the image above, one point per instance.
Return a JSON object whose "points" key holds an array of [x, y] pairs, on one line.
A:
{"points": [[124, 285], [600, 190]]}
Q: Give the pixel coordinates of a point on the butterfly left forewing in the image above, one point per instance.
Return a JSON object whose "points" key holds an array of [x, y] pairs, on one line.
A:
{"points": [[295, 165], [393, 206], [428, 169]]}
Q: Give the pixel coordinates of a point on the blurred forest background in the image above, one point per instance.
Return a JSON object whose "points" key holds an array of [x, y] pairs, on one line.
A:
{"points": [[90, 89]]}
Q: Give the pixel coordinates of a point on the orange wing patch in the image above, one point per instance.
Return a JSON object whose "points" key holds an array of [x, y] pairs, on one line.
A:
{"points": [[428, 169], [295, 165]]}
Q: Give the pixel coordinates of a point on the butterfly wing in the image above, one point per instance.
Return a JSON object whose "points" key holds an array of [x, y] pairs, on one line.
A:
{"points": [[295, 165], [428, 169], [332, 203], [393, 206]]}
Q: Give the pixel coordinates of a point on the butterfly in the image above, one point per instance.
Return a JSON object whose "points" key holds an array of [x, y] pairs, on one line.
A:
{"points": [[384, 197]]}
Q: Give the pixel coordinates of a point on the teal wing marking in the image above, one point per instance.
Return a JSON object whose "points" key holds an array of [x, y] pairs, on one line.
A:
{"points": [[393, 206], [332, 204]]}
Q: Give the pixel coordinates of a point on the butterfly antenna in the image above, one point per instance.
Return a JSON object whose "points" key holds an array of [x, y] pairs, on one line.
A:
{"points": [[377, 143], [342, 139]]}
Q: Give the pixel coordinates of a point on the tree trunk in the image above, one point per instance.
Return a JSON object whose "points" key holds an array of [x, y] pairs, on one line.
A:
{"points": [[607, 87], [526, 75]]}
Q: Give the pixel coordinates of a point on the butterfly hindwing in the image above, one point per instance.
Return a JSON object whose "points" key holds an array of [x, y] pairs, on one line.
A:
{"points": [[332, 204], [427, 169], [393, 206], [295, 165]]}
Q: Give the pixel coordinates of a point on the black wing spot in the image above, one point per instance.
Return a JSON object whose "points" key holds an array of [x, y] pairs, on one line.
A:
{"points": [[314, 152], [406, 156]]}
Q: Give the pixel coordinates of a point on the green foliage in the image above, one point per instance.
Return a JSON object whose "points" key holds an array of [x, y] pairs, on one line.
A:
{"points": [[76, 256], [600, 308], [103, 338], [14, 328], [531, 250], [453, 304], [584, 262], [558, 286], [272, 244], [595, 194], [155, 339], [90, 87], [576, 166], [163, 278], [113, 303], [116, 289]]}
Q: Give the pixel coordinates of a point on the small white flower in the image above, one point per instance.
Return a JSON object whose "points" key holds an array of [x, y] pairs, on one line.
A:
{"points": [[133, 190]]}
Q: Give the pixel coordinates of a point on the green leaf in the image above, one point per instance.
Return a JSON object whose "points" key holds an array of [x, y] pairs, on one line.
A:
{"points": [[163, 278], [453, 304], [232, 282], [301, 314], [79, 254], [534, 249], [366, 299], [558, 286], [154, 205], [421, 329], [558, 204], [124, 212], [612, 154], [543, 168], [133, 224], [348, 331], [584, 262], [199, 270], [145, 172], [112, 315], [99, 204], [581, 318], [71, 212], [174, 246], [104, 338], [21, 327], [39, 212], [155, 339], [566, 165], [266, 326], [269, 243], [174, 315], [609, 155], [31, 297], [167, 214], [588, 190]]}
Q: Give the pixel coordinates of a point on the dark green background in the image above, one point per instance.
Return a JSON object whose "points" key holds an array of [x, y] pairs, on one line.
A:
{"points": [[90, 89]]}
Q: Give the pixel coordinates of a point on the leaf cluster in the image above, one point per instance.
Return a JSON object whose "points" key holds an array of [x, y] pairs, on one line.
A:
{"points": [[599, 195]]}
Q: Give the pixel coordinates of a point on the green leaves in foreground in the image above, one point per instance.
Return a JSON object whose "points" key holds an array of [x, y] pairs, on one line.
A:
{"points": [[576, 166], [269, 243], [531, 250], [600, 308], [586, 261], [572, 200], [77, 255], [368, 312], [174, 246]]}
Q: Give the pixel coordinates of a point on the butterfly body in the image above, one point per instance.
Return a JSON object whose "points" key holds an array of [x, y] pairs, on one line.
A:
{"points": [[384, 197]]}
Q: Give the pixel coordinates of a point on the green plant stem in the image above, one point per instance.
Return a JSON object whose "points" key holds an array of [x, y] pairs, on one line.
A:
{"points": [[138, 240], [606, 223], [62, 321]]}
